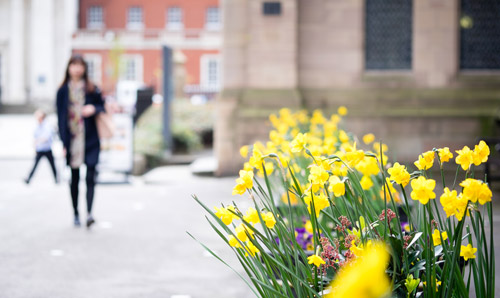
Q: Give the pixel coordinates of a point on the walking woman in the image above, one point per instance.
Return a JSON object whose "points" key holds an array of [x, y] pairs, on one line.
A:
{"points": [[78, 103]]}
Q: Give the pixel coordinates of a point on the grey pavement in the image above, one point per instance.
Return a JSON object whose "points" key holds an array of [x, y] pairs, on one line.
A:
{"points": [[138, 248]]}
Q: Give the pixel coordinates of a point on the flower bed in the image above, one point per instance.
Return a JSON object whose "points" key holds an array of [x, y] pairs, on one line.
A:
{"points": [[333, 217]]}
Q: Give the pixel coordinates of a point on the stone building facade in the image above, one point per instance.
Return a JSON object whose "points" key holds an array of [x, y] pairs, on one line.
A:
{"points": [[35, 45], [419, 74]]}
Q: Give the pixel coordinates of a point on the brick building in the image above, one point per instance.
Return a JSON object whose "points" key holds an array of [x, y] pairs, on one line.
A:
{"points": [[123, 39], [419, 74]]}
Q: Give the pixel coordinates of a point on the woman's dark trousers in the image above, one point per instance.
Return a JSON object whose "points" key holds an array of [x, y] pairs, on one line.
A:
{"points": [[90, 180]]}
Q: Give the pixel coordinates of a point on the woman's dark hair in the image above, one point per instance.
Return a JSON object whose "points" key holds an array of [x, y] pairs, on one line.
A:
{"points": [[89, 86]]}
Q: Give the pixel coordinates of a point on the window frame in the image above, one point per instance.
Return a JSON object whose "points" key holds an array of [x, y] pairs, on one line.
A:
{"points": [[389, 71], [96, 61], [138, 65], [134, 24], [95, 25], [464, 69], [205, 71], [178, 24], [212, 25]]}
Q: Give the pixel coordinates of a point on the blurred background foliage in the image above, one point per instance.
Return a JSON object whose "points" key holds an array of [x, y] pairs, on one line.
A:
{"points": [[192, 130]]}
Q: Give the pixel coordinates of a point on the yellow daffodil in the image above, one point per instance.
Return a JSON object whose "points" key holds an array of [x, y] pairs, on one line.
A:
{"points": [[330, 145], [399, 174], [271, 146], [453, 204], [247, 167], [309, 227], [318, 175], [302, 116], [316, 260], [464, 158], [343, 137], [342, 111], [425, 160], [275, 137], [376, 147], [337, 187], [269, 219], [438, 283], [329, 128], [296, 169], [390, 191], [364, 277], [320, 202], [225, 214], [252, 249], [239, 189], [467, 252], [256, 158], [274, 120], [317, 117], [233, 242], [384, 158], [436, 239], [423, 189], [445, 155], [244, 182], [335, 118], [484, 195], [366, 182], [242, 232], [244, 151], [368, 138], [339, 169], [358, 251], [251, 216], [475, 190], [481, 153], [361, 249], [284, 159], [461, 206], [299, 142], [290, 195], [368, 166], [354, 156], [268, 166]]}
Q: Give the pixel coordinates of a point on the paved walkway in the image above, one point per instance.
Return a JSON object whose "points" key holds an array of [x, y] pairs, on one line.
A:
{"points": [[139, 247]]}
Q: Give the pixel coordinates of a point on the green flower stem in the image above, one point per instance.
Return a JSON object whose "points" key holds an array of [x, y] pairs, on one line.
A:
{"points": [[482, 253], [384, 181], [408, 211], [491, 273], [441, 225], [457, 240], [429, 256], [442, 176], [456, 176], [405, 254]]}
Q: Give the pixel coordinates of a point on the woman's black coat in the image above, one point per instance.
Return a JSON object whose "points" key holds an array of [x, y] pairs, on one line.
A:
{"points": [[92, 144]]}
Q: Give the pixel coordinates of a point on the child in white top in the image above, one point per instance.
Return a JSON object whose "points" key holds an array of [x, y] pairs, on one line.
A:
{"points": [[44, 135]]}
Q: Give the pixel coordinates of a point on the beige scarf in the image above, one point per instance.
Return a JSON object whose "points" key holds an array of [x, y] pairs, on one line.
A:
{"points": [[76, 125]]}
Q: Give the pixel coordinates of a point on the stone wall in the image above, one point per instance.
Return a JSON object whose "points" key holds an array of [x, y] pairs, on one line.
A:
{"points": [[312, 56]]}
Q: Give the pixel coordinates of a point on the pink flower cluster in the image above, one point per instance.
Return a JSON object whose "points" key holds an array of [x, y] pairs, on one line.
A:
{"points": [[390, 215]]}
